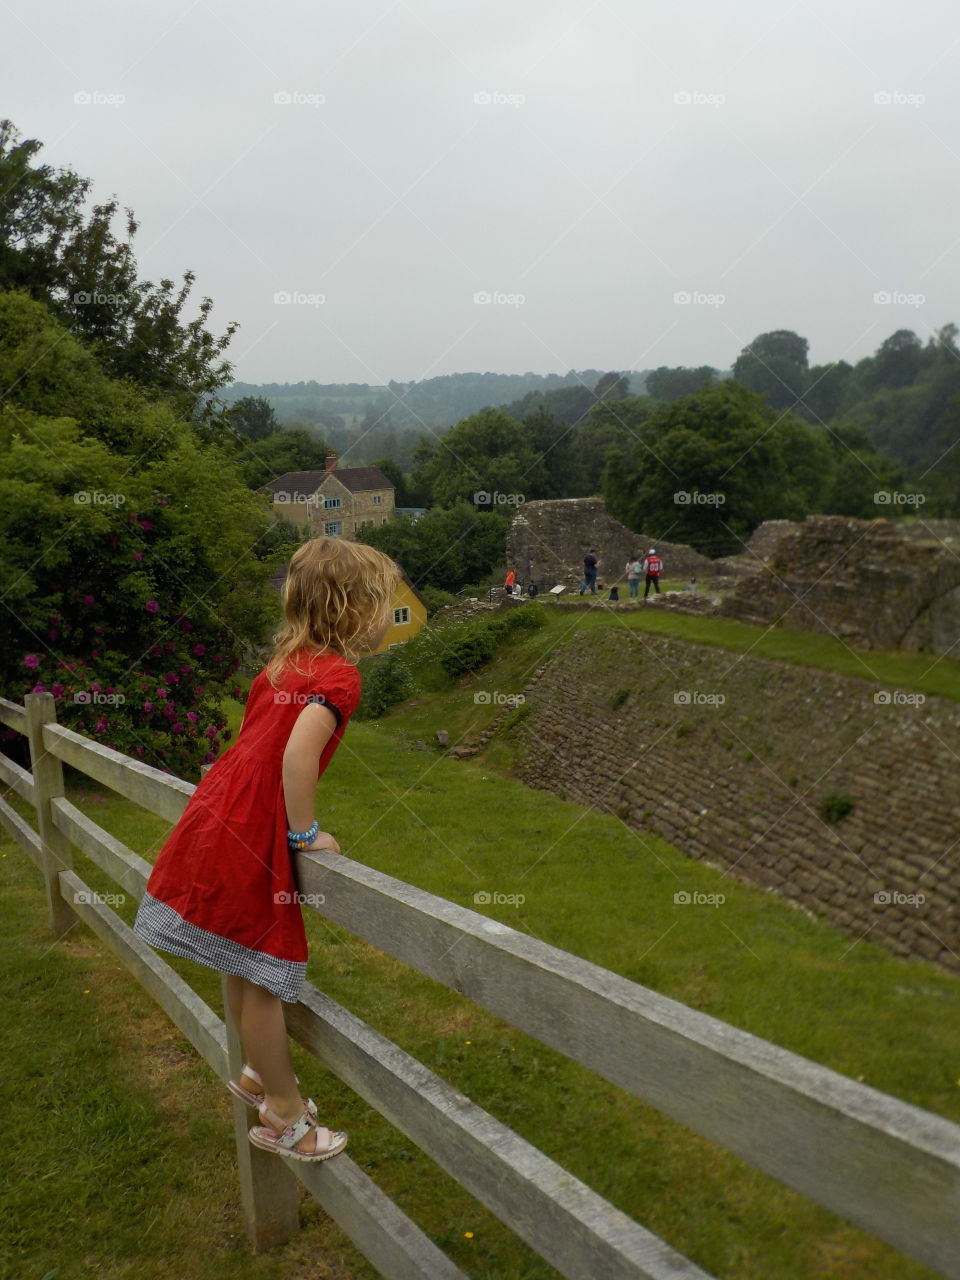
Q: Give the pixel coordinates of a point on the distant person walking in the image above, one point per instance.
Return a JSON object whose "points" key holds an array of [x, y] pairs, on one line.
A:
{"points": [[634, 571], [590, 566], [510, 581], [651, 567]]}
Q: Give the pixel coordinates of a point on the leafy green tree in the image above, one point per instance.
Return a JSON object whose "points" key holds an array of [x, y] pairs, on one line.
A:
{"points": [[132, 572], [445, 548], [296, 450], [486, 454], [70, 258], [609, 432], [707, 470], [775, 366], [672, 384], [253, 418], [859, 473]]}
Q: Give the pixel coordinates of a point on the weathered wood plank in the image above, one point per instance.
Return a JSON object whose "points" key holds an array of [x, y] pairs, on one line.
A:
{"points": [[13, 715], [152, 789], [879, 1162], [18, 778], [20, 830], [47, 774], [382, 1232], [268, 1191], [559, 1216], [111, 855], [180, 1002]]}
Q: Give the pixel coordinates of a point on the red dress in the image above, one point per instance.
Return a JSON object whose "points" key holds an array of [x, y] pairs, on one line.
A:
{"points": [[223, 889]]}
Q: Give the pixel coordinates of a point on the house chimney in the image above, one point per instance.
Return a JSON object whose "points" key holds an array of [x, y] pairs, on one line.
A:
{"points": [[330, 462]]}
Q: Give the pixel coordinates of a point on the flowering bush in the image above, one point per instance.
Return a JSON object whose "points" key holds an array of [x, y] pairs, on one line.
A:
{"points": [[128, 557]]}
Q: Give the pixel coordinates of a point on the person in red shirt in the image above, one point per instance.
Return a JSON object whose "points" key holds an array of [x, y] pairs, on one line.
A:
{"points": [[651, 567], [510, 581]]}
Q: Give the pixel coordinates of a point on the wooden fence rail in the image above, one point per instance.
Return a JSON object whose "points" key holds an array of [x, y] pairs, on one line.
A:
{"points": [[890, 1167]]}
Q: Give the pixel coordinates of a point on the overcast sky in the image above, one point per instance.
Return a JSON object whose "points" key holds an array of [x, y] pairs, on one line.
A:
{"points": [[580, 165]]}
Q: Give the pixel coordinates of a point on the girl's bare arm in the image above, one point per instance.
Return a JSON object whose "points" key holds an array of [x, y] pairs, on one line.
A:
{"points": [[312, 731]]}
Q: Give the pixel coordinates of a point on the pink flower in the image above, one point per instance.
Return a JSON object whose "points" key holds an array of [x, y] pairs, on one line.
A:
{"points": [[186, 668], [95, 687], [52, 635], [148, 707], [146, 525], [178, 727], [156, 651], [170, 646], [152, 607], [192, 717], [31, 662], [186, 624], [212, 732], [227, 735], [57, 690], [218, 658], [100, 725], [172, 678], [39, 688], [98, 631], [138, 556], [199, 650], [89, 600], [138, 751]]}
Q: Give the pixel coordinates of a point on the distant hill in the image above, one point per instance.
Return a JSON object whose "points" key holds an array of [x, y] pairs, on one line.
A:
{"points": [[432, 402]]}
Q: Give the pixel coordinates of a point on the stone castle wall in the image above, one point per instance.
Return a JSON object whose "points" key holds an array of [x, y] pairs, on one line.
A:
{"points": [[880, 584], [548, 540], [741, 783]]}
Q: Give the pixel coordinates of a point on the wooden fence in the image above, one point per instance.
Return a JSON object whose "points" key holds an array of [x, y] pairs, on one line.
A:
{"points": [[883, 1164]]}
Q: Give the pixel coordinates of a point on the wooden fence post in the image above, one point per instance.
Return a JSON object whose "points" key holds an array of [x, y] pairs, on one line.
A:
{"points": [[55, 853], [268, 1188]]}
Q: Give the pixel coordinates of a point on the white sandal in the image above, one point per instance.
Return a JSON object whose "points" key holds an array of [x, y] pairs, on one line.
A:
{"points": [[283, 1138], [256, 1099]]}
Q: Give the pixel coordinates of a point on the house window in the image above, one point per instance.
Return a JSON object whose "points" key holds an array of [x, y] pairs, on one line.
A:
{"points": [[331, 504], [333, 528], [401, 616], [364, 524], [383, 520], [377, 500]]}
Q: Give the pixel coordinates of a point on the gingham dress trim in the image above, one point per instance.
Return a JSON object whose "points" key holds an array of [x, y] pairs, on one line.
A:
{"points": [[163, 928]]}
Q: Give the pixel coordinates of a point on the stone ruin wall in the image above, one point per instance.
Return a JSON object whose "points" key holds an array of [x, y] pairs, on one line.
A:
{"points": [[879, 584], [741, 784]]}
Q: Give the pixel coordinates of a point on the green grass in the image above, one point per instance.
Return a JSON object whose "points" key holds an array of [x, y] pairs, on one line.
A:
{"points": [[123, 1134]]}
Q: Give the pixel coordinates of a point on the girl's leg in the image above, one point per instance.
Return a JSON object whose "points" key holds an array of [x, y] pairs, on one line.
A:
{"points": [[235, 987]]}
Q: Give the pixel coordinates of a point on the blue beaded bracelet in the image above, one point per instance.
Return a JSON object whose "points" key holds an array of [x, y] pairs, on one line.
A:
{"points": [[300, 839]]}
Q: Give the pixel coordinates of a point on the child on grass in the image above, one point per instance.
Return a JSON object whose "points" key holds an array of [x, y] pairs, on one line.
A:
{"points": [[223, 890]]}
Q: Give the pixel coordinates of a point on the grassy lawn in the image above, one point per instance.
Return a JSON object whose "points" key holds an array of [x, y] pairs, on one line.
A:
{"points": [[141, 1135]]}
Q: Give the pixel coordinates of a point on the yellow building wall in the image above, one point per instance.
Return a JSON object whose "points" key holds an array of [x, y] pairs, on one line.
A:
{"points": [[397, 632]]}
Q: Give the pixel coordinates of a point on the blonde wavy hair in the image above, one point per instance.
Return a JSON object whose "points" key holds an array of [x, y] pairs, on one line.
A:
{"points": [[335, 594]]}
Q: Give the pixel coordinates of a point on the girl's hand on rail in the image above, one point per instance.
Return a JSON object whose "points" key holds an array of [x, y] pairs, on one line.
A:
{"points": [[324, 843]]}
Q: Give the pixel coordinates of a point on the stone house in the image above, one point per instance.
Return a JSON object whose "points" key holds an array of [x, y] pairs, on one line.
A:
{"points": [[336, 502]]}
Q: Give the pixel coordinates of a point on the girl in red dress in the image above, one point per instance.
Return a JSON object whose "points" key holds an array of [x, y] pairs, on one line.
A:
{"points": [[223, 890]]}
